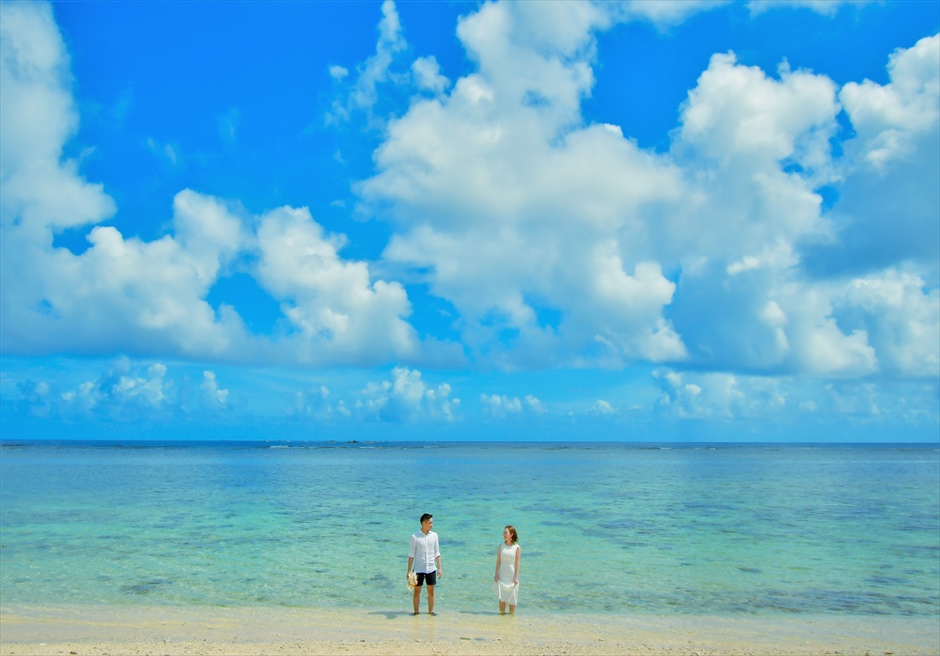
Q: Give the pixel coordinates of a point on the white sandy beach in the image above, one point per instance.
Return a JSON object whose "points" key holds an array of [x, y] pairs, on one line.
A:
{"points": [[162, 631]]}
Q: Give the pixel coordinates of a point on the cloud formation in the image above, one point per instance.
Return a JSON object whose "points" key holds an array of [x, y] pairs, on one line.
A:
{"points": [[125, 294], [406, 397], [551, 235], [788, 402], [496, 405], [125, 392], [559, 242], [402, 398]]}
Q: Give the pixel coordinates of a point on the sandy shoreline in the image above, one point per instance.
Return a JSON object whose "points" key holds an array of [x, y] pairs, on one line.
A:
{"points": [[163, 631]]}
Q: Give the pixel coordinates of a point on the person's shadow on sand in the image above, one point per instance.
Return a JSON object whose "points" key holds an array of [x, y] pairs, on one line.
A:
{"points": [[392, 614], [485, 613], [395, 614]]}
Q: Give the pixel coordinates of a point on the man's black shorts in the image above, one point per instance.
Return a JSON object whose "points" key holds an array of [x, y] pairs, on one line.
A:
{"points": [[430, 576]]}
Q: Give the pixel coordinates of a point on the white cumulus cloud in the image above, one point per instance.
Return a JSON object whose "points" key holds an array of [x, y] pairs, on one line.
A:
{"points": [[515, 211], [552, 236], [557, 241], [329, 301], [405, 398], [126, 294], [889, 119], [497, 405]]}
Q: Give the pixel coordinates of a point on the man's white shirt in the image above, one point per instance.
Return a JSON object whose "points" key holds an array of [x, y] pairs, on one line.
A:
{"points": [[424, 549]]}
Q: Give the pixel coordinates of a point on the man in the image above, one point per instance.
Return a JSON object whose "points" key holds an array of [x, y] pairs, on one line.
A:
{"points": [[425, 557]]}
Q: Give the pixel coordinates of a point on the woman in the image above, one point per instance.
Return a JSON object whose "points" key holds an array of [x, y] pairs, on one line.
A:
{"points": [[507, 570]]}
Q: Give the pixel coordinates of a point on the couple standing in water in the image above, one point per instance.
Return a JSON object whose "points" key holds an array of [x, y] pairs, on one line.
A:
{"points": [[424, 558]]}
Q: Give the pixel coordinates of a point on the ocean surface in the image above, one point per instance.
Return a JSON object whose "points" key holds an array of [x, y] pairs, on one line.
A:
{"points": [[610, 528]]}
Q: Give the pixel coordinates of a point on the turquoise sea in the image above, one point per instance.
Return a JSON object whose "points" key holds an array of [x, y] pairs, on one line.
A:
{"points": [[714, 529]]}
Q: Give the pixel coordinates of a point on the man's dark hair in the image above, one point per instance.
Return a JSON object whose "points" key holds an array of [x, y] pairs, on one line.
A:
{"points": [[425, 517]]}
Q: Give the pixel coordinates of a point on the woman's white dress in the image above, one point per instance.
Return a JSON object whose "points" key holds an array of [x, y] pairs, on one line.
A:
{"points": [[508, 592]]}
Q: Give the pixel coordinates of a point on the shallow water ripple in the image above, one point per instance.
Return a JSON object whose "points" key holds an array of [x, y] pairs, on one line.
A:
{"points": [[613, 528]]}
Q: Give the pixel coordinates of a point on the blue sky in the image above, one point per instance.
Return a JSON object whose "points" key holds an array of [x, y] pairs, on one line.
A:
{"points": [[636, 221]]}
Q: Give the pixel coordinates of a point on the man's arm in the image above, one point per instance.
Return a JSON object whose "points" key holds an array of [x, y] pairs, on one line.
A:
{"points": [[437, 556], [412, 552]]}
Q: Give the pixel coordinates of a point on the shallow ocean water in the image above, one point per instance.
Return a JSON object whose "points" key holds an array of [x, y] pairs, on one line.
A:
{"points": [[622, 528]]}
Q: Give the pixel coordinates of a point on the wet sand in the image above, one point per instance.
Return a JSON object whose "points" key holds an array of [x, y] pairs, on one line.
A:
{"points": [[163, 631]]}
